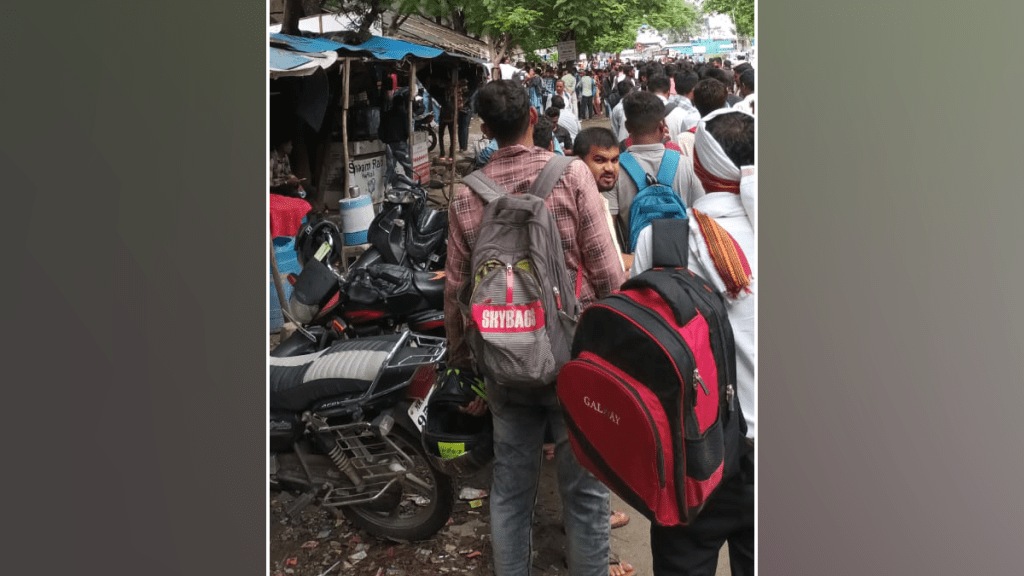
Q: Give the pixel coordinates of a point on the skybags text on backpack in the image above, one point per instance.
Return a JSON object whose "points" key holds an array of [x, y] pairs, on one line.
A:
{"points": [[523, 305]]}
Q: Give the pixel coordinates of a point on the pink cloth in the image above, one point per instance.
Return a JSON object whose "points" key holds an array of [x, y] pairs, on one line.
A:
{"points": [[286, 214]]}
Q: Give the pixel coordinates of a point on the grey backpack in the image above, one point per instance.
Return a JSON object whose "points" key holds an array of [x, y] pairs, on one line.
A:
{"points": [[522, 304]]}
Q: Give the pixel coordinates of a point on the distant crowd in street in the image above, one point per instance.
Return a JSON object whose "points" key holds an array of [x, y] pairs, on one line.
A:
{"points": [[572, 93]]}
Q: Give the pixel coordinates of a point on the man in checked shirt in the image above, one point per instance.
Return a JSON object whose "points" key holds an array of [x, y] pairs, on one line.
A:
{"points": [[519, 414]]}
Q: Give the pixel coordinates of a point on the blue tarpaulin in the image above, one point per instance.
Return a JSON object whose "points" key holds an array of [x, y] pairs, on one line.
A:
{"points": [[392, 49], [286, 59], [303, 44], [377, 46]]}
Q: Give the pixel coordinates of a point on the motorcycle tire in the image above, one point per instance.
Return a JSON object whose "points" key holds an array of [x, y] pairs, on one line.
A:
{"points": [[423, 520], [432, 138]]}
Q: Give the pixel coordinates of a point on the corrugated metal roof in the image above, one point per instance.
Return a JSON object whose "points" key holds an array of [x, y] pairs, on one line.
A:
{"points": [[286, 59], [419, 29]]}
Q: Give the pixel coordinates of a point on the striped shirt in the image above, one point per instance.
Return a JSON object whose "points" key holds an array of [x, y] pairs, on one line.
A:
{"points": [[578, 209]]}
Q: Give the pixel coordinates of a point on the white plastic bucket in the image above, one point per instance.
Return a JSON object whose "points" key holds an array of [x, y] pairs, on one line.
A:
{"points": [[356, 215]]}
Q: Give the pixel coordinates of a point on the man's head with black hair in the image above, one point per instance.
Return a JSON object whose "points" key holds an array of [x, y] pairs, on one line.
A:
{"points": [[746, 82], [624, 87], [716, 62], [720, 75], [685, 81], [599, 150], [543, 133], [742, 67], [709, 95], [557, 102], [659, 84], [734, 132], [504, 108], [645, 114]]}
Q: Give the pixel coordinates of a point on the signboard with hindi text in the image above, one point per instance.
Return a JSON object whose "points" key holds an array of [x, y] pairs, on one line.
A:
{"points": [[567, 51]]}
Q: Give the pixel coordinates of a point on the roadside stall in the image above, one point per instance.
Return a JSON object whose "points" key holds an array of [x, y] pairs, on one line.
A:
{"points": [[334, 101]]}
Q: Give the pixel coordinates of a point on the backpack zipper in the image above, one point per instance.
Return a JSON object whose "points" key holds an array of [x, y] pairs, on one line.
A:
{"points": [[698, 380], [508, 283]]}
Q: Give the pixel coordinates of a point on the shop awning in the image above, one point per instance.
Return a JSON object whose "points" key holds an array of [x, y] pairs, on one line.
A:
{"points": [[377, 47], [287, 63]]}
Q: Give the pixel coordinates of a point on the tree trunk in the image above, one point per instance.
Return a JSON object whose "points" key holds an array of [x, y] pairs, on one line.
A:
{"points": [[459, 21], [292, 14]]}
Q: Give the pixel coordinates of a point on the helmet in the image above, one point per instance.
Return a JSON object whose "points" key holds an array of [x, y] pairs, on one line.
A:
{"points": [[312, 236], [456, 443]]}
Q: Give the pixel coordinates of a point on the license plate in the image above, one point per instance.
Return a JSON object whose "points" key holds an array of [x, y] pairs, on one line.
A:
{"points": [[418, 410]]}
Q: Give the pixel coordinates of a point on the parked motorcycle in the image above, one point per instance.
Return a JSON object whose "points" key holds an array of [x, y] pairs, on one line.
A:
{"points": [[377, 299], [425, 111], [407, 231], [341, 434]]}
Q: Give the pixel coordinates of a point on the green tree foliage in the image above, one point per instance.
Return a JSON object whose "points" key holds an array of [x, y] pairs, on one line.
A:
{"points": [[595, 25], [741, 12]]}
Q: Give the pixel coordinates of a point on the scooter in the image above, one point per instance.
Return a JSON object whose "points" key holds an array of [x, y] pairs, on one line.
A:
{"points": [[341, 434]]}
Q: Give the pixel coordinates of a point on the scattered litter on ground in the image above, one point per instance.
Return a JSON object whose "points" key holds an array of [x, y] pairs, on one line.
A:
{"points": [[468, 493], [361, 555]]}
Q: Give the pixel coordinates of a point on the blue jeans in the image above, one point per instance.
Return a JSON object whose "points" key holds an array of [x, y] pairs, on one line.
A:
{"points": [[520, 417], [536, 102]]}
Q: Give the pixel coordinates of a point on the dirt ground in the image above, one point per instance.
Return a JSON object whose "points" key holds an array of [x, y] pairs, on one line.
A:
{"points": [[315, 540]]}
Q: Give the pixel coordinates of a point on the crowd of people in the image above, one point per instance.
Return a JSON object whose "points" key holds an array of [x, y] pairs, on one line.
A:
{"points": [[570, 95], [705, 114]]}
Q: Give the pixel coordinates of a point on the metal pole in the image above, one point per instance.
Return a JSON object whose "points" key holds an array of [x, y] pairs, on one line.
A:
{"points": [[344, 126], [413, 91], [455, 124]]}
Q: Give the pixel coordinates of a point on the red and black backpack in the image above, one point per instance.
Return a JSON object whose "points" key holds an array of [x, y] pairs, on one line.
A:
{"points": [[649, 396]]}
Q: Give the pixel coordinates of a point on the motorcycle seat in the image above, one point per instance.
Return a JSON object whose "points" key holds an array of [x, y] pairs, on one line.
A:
{"points": [[431, 286], [343, 370]]}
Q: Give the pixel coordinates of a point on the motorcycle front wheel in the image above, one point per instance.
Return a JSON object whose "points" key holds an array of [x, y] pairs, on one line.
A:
{"points": [[427, 500]]}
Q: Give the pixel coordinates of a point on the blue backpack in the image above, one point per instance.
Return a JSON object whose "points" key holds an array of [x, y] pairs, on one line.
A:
{"points": [[655, 198]]}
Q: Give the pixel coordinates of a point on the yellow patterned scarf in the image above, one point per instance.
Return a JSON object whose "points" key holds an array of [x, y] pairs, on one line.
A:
{"points": [[728, 258]]}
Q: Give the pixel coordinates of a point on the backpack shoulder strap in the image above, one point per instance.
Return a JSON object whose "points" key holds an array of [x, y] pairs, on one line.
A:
{"points": [[670, 107], [670, 242], [667, 170], [485, 188], [550, 175], [634, 170]]}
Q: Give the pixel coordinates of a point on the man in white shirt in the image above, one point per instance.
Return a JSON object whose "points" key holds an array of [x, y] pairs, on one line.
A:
{"points": [[746, 84], [722, 250], [618, 115], [569, 80], [566, 118], [685, 81]]}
